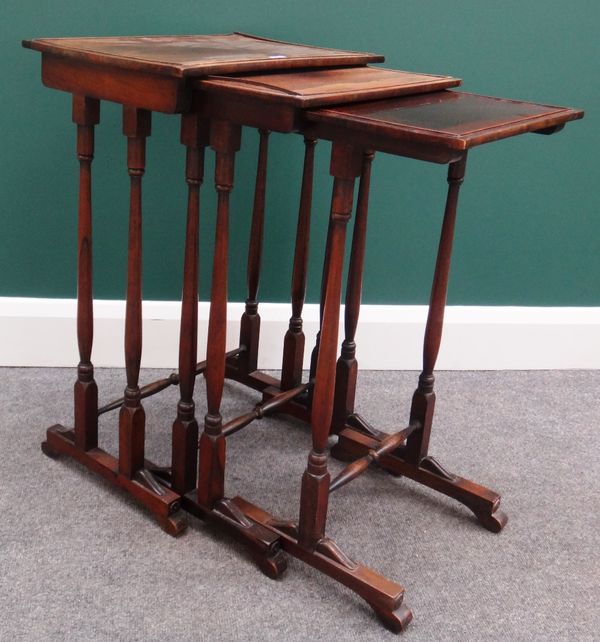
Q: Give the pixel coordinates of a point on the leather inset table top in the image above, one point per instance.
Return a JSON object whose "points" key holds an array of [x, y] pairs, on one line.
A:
{"points": [[453, 119]]}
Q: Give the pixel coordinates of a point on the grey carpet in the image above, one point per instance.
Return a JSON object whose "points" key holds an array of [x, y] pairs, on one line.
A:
{"points": [[80, 561]]}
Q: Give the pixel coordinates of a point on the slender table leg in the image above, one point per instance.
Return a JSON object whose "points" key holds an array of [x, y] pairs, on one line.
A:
{"points": [[225, 140], [208, 501], [347, 365], [86, 113], [293, 343], [250, 322], [314, 356], [412, 459], [130, 471], [424, 397], [184, 459], [136, 126], [345, 166]]}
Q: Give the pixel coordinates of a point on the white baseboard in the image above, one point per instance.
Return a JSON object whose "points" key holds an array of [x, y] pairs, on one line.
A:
{"points": [[41, 332]]}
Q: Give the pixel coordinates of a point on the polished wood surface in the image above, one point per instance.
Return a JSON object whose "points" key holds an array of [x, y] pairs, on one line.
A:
{"points": [[132, 417], [225, 141], [327, 86], [86, 114], [347, 366], [200, 55], [250, 321], [194, 135], [345, 167], [451, 119], [436, 124], [293, 343]]}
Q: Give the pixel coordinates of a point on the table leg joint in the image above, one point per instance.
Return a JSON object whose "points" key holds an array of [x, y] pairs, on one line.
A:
{"points": [[382, 595], [263, 544], [163, 503], [483, 502]]}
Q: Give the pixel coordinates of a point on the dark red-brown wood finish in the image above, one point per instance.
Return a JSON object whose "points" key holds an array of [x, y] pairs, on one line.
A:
{"points": [[293, 343], [250, 322], [86, 114], [194, 135], [347, 365], [368, 110], [225, 140]]}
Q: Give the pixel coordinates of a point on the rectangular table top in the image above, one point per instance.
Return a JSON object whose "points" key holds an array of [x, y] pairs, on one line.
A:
{"points": [[201, 55], [448, 119], [312, 88]]}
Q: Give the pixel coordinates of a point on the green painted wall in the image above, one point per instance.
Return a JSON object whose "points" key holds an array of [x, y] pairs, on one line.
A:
{"points": [[529, 225]]}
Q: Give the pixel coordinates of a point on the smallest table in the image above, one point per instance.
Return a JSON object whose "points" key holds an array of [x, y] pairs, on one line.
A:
{"points": [[438, 127]]}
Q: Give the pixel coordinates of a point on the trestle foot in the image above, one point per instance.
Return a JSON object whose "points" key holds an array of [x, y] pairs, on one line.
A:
{"points": [[382, 595], [396, 621], [49, 451], [482, 501], [263, 545], [162, 502], [494, 521], [175, 524], [272, 565]]}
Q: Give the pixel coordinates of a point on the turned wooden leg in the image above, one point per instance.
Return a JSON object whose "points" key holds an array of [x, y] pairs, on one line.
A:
{"points": [[424, 397], [250, 322], [345, 167], [225, 140], [184, 459], [359, 440], [86, 114], [315, 351], [347, 365], [293, 343], [136, 126]]}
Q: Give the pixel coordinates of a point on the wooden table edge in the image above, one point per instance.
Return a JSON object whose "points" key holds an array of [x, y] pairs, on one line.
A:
{"points": [[461, 142], [281, 96], [182, 70]]}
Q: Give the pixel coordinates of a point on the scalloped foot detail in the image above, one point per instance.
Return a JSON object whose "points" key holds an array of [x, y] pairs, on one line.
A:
{"points": [[274, 565], [175, 524], [396, 621], [49, 451], [493, 522]]}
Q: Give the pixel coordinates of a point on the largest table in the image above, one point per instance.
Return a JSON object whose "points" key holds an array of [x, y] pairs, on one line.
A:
{"points": [[331, 95]]}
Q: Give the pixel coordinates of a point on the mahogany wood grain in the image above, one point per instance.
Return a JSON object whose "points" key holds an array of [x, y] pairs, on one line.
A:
{"points": [[250, 322], [165, 506], [311, 88], [168, 73], [359, 466], [125, 86], [132, 418], [482, 501], [384, 596], [225, 140], [315, 351], [262, 543], [197, 55], [293, 343], [347, 365], [424, 397], [271, 403], [447, 120], [345, 167], [194, 135], [86, 114], [162, 384]]}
